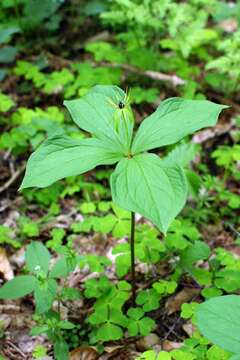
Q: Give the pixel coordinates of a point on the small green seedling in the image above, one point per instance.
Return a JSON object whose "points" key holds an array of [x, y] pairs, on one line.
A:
{"points": [[39, 352], [42, 282], [42, 279], [53, 327], [142, 182], [139, 324]]}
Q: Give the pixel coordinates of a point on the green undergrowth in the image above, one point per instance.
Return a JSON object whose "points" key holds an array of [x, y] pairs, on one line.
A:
{"points": [[74, 225]]}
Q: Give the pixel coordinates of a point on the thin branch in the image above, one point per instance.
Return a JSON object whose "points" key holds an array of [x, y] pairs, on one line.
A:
{"points": [[231, 227], [155, 75], [12, 179], [13, 346]]}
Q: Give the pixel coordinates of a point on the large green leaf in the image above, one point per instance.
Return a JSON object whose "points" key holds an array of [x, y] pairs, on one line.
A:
{"points": [[60, 348], [98, 113], [18, 287], [61, 156], [45, 294], [37, 258], [174, 119], [235, 357], [218, 319], [144, 184], [7, 32]]}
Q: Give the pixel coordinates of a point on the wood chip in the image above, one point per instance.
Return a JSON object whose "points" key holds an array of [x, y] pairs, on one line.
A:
{"points": [[174, 303], [5, 267], [147, 342], [171, 345], [84, 353], [189, 328]]}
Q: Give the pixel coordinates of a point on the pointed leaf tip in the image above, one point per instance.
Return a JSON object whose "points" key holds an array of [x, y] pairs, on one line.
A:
{"points": [[174, 119]]}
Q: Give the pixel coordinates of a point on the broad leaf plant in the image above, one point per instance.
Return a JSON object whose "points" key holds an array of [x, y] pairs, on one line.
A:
{"points": [[142, 182]]}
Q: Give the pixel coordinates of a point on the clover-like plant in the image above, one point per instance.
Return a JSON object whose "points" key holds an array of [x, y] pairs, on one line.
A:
{"points": [[142, 182]]}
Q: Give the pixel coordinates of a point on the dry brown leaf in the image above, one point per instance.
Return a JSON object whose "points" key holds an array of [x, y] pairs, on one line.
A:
{"points": [[118, 352], [121, 353], [229, 25], [171, 345], [9, 309], [111, 349], [27, 343], [147, 342], [175, 302], [5, 321], [84, 353], [189, 328], [5, 267], [18, 258]]}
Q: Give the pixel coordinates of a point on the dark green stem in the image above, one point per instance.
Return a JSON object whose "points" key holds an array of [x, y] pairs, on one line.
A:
{"points": [[132, 240], [17, 12]]}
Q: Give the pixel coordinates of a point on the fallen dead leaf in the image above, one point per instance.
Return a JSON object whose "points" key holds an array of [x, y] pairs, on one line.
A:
{"points": [[5, 267], [27, 343], [18, 258], [112, 352], [9, 308], [111, 349], [189, 328], [229, 25], [5, 321], [147, 342], [84, 353], [171, 345], [120, 354], [175, 302]]}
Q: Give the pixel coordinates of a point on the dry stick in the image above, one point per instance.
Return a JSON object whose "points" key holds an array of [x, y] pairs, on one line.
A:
{"points": [[155, 75], [12, 345], [12, 179], [132, 240]]}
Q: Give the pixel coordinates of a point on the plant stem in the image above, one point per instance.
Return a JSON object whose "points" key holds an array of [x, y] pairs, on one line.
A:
{"points": [[17, 12], [132, 240]]}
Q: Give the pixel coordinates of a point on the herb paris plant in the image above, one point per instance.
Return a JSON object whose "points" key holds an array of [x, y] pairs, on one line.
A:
{"points": [[142, 182]]}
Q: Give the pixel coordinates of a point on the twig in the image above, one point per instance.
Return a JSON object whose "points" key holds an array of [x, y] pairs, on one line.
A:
{"points": [[6, 155], [11, 344], [231, 227], [102, 36], [12, 178], [155, 75], [171, 330]]}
